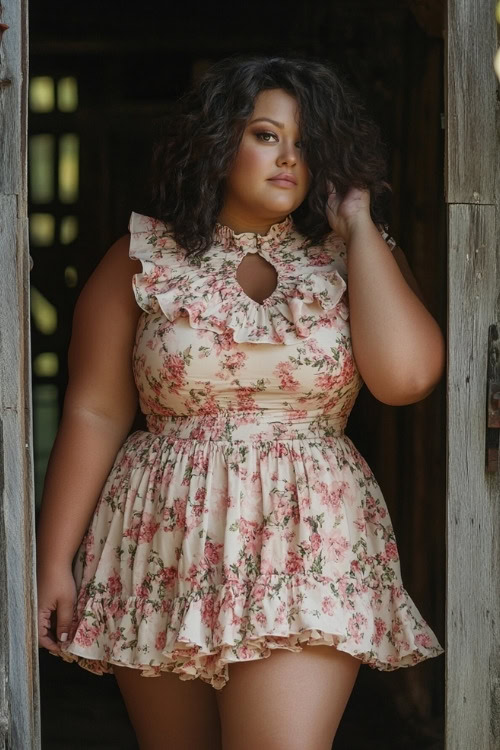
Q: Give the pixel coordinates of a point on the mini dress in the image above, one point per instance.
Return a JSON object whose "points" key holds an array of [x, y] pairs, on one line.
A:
{"points": [[243, 519]]}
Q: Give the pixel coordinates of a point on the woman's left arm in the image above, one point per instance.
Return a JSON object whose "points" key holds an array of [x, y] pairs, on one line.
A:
{"points": [[398, 346]]}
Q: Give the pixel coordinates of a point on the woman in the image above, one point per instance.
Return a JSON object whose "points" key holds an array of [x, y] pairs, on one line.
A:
{"points": [[241, 539]]}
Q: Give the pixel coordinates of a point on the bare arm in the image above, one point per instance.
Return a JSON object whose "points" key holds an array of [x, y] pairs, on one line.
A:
{"points": [[398, 346], [99, 407]]}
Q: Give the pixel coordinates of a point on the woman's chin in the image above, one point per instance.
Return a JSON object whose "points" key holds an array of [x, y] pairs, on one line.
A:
{"points": [[277, 208]]}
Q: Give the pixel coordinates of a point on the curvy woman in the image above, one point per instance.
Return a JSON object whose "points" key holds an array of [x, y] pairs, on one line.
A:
{"points": [[234, 564]]}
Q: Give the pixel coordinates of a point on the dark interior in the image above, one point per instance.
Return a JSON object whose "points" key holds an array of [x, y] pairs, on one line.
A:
{"points": [[130, 63]]}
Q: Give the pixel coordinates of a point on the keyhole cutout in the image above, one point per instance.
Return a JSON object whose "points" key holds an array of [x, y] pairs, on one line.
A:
{"points": [[256, 277]]}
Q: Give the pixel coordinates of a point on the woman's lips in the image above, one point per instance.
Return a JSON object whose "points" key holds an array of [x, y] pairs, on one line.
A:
{"points": [[283, 182]]}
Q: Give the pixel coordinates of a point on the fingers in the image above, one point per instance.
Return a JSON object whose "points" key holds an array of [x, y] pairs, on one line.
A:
{"points": [[65, 613], [54, 624], [45, 635]]}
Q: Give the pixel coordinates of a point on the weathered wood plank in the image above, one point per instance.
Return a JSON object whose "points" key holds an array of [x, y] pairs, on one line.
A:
{"points": [[19, 711], [473, 518], [471, 101]]}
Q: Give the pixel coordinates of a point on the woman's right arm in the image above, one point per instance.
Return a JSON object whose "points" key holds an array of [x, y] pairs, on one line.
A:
{"points": [[99, 408]]}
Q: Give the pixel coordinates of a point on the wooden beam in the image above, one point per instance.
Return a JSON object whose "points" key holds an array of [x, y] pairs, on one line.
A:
{"points": [[473, 518], [470, 92], [19, 707]]}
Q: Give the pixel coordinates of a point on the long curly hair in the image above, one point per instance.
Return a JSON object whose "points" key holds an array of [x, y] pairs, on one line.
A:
{"points": [[201, 137]]}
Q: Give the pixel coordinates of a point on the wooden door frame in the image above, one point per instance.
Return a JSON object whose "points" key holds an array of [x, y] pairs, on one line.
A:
{"points": [[473, 518], [19, 691]]}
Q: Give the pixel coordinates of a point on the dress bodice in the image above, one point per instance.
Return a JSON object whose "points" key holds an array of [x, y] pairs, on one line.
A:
{"points": [[203, 345]]}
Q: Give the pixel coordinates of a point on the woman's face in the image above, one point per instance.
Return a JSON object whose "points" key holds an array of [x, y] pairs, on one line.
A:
{"points": [[269, 177]]}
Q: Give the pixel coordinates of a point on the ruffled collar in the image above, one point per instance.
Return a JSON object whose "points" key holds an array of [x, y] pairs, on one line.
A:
{"points": [[310, 290], [252, 241]]}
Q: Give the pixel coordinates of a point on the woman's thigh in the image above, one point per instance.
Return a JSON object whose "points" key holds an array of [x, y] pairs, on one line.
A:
{"points": [[168, 713], [287, 701]]}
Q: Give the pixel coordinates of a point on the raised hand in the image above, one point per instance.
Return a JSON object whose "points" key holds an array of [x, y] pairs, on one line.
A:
{"points": [[344, 213]]}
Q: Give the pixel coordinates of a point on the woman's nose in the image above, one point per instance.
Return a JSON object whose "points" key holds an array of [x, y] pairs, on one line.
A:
{"points": [[288, 155]]}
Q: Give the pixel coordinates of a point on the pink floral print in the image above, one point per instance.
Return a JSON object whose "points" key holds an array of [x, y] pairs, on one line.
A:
{"points": [[243, 519]]}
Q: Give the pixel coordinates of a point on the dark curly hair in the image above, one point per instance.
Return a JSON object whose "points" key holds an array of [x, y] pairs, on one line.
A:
{"points": [[191, 161]]}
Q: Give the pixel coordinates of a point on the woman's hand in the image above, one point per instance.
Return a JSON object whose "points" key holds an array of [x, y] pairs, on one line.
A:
{"points": [[56, 604], [345, 213]]}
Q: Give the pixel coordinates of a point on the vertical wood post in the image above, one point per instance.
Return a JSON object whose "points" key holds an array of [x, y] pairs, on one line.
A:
{"points": [[473, 509], [19, 700]]}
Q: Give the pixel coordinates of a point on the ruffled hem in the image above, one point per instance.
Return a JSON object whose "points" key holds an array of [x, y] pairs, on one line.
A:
{"points": [[190, 662], [181, 641]]}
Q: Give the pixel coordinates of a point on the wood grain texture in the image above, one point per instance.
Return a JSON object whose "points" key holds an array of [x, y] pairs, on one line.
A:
{"points": [[18, 645], [473, 518], [471, 102]]}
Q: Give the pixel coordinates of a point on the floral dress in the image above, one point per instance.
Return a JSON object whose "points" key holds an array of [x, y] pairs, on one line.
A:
{"points": [[243, 519]]}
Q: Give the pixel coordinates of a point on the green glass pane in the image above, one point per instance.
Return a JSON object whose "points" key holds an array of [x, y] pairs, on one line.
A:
{"points": [[41, 168], [44, 314], [71, 276], [68, 168], [42, 229], [69, 230], [45, 422], [67, 94], [46, 365], [41, 94]]}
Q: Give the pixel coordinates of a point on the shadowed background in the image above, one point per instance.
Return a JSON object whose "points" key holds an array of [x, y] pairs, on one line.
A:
{"points": [[102, 76]]}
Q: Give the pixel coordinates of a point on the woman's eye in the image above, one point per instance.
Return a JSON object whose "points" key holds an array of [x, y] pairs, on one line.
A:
{"points": [[266, 137]]}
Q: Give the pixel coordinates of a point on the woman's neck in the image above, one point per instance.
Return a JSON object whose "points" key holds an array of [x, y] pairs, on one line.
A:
{"points": [[240, 223]]}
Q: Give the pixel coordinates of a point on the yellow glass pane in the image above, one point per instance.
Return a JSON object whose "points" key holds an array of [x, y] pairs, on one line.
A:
{"points": [[46, 365], [41, 94], [44, 314], [67, 94], [68, 168], [42, 229], [71, 276], [41, 168], [69, 230]]}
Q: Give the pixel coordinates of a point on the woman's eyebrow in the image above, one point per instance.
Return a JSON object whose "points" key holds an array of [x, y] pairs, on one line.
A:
{"points": [[268, 119]]}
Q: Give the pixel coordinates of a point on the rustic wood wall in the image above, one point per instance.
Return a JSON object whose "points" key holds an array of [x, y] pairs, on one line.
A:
{"points": [[473, 560], [19, 700]]}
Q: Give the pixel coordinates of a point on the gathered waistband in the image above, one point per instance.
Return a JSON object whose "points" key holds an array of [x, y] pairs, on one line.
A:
{"points": [[243, 426]]}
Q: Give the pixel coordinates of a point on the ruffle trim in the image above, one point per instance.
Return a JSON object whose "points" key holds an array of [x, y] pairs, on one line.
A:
{"points": [[285, 321], [229, 238], [178, 287], [101, 638]]}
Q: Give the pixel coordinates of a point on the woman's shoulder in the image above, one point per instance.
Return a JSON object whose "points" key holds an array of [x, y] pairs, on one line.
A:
{"points": [[110, 284]]}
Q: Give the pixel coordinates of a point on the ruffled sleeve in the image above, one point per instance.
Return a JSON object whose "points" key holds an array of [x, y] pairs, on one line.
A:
{"points": [[152, 243]]}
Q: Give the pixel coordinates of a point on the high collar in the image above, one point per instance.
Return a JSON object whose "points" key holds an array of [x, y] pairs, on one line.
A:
{"points": [[252, 241]]}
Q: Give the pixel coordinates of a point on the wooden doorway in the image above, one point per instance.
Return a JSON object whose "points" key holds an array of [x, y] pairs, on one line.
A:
{"points": [[126, 76], [126, 71]]}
